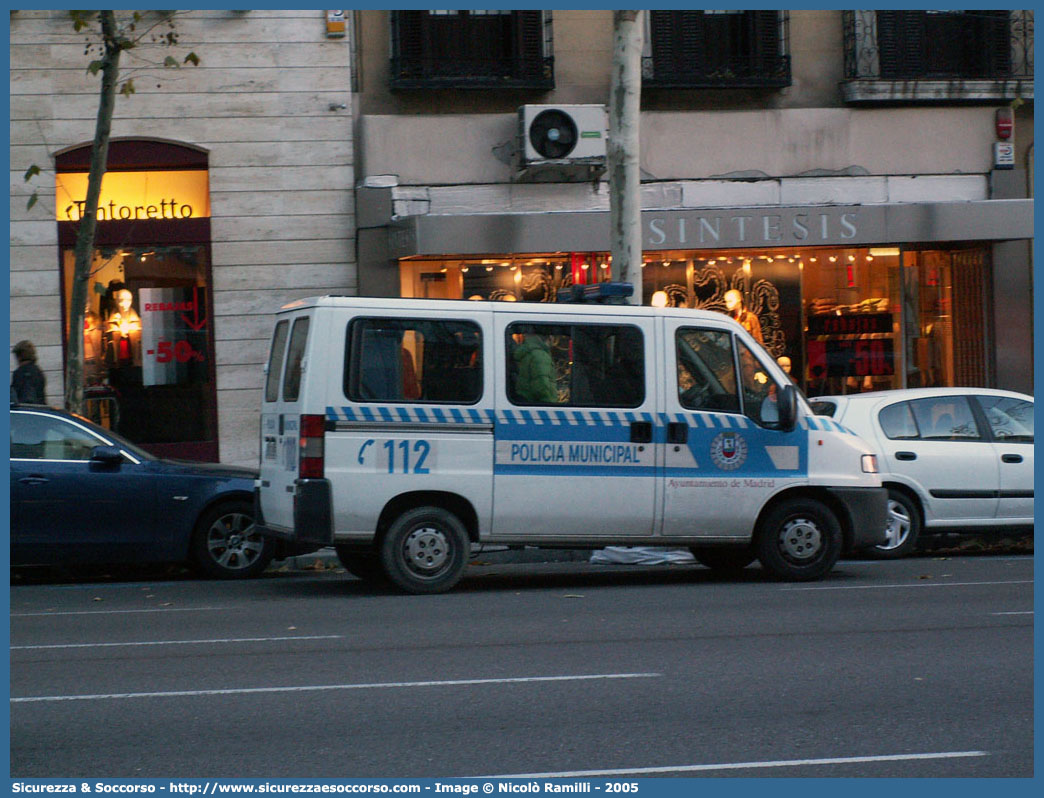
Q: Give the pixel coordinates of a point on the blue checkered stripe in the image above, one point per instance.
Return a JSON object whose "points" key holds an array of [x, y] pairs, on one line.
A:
{"points": [[825, 423], [410, 414], [576, 419]]}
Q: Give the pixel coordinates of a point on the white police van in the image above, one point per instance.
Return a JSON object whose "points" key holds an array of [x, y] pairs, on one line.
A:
{"points": [[409, 433]]}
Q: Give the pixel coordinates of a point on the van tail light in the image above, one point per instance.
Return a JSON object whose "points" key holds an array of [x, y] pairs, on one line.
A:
{"points": [[311, 455]]}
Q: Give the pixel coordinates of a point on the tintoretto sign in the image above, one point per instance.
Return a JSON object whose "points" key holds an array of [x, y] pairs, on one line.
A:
{"points": [[761, 227]]}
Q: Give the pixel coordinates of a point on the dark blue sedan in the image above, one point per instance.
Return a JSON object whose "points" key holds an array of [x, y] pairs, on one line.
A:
{"points": [[82, 495]]}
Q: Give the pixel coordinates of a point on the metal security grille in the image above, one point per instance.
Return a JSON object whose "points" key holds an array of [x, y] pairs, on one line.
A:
{"points": [[970, 275]]}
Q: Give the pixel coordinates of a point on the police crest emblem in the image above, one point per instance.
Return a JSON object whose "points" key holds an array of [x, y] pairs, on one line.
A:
{"points": [[728, 451]]}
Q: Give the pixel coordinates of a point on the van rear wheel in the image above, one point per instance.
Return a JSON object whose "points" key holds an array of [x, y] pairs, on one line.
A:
{"points": [[425, 550], [362, 563], [798, 540]]}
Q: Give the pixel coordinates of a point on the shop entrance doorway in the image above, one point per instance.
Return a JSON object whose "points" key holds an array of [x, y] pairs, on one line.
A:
{"points": [[148, 340]]}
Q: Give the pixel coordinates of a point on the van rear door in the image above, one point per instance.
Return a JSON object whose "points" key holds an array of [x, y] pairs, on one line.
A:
{"points": [[280, 420]]}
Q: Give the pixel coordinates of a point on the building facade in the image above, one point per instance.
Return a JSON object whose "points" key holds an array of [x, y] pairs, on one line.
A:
{"points": [[853, 174], [228, 193]]}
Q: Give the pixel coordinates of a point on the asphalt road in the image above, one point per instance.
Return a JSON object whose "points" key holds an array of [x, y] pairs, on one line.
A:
{"points": [[922, 667]]}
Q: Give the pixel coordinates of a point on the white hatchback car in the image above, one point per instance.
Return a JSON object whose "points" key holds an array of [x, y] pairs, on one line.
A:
{"points": [[951, 458]]}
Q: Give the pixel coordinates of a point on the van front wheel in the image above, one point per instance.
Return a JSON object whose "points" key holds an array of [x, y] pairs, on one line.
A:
{"points": [[798, 540], [426, 550]]}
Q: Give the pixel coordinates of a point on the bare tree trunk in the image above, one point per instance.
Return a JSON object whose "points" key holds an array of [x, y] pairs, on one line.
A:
{"points": [[625, 204], [74, 399]]}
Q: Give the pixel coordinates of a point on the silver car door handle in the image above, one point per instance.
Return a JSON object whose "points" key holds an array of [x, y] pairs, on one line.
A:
{"points": [[34, 480]]}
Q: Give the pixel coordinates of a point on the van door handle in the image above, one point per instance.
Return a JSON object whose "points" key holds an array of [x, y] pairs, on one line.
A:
{"points": [[905, 456], [1011, 458], [677, 432], [641, 432]]}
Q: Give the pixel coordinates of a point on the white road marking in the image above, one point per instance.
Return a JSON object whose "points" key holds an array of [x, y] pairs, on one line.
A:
{"points": [[327, 687], [1027, 612], [110, 612], [179, 642], [925, 583], [783, 763]]}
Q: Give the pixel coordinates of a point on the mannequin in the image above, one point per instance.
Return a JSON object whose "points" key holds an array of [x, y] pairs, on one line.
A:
{"points": [[123, 332], [734, 307], [92, 348]]}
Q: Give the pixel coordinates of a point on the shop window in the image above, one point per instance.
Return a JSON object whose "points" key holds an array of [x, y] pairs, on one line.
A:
{"points": [[471, 49], [575, 365], [716, 49], [413, 360], [706, 370], [148, 343]]}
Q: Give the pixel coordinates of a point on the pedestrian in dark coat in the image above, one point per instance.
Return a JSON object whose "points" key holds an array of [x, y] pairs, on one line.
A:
{"points": [[28, 384]]}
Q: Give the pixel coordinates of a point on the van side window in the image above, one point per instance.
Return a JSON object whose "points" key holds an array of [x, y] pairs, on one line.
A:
{"points": [[760, 392], [706, 370], [275, 362], [294, 356], [413, 360], [575, 365]]}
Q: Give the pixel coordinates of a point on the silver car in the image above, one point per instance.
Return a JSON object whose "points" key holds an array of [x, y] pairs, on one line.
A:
{"points": [[952, 458]]}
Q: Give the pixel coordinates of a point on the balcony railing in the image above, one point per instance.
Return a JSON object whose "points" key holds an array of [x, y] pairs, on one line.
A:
{"points": [[946, 55]]}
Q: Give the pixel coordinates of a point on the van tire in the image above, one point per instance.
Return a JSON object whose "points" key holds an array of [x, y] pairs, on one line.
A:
{"points": [[364, 564], [798, 540], [425, 550], [723, 559], [226, 544]]}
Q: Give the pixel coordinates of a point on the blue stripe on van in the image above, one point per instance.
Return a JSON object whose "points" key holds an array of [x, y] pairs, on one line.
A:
{"points": [[569, 424]]}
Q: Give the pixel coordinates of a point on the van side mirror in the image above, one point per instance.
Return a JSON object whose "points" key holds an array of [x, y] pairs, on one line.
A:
{"points": [[788, 407]]}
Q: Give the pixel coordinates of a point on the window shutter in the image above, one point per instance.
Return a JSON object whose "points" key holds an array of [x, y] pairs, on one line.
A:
{"points": [[408, 44], [765, 44], [996, 40], [901, 44], [677, 44], [530, 56]]}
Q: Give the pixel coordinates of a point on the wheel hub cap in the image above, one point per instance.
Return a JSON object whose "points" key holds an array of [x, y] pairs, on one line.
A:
{"points": [[898, 526], [426, 549], [801, 539]]}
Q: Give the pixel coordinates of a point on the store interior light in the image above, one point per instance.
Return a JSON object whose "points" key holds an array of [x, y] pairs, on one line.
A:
{"points": [[811, 260], [833, 259], [489, 268], [851, 258], [884, 252], [869, 258], [659, 299]]}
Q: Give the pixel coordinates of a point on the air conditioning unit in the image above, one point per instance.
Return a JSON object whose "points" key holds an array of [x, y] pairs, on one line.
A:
{"points": [[561, 142]]}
